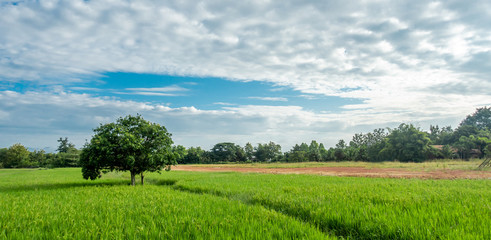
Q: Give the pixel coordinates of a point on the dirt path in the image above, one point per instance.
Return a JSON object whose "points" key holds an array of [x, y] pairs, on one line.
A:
{"points": [[348, 172]]}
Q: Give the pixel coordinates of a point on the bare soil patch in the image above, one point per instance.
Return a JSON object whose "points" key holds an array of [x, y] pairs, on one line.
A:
{"points": [[348, 172]]}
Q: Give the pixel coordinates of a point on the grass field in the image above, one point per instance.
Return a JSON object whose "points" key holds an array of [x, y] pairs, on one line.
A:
{"points": [[59, 204], [437, 164]]}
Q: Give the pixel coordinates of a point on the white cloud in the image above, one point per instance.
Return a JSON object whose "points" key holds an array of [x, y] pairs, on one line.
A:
{"points": [[37, 119], [160, 89], [150, 94], [407, 60], [277, 99], [86, 89], [157, 91], [224, 103], [50, 115]]}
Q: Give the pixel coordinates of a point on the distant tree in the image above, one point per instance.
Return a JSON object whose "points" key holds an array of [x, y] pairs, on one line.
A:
{"points": [[314, 152], [304, 147], [228, 152], [206, 157], [17, 156], [341, 144], [38, 158], [324, 153], [407, 144], [267, 152], [299, 153], [3, 156], [447, 152], [339, 151], [487, 151], [130, 144], [249, 151], [71, 158], [463, 131], [180, 152], [65, 145], [366, 147], [296, 156], [50, 160], [481, 119], [440, 136], [481, 141], [464, 146], [358, 140], [194, 155], [330, 156]]}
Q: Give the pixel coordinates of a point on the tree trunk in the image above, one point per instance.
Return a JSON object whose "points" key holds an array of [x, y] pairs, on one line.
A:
{"points": [[132, 178], [142, 178]]}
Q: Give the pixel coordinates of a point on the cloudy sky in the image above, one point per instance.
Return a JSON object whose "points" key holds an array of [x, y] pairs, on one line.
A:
{"points": [[240, 71]]}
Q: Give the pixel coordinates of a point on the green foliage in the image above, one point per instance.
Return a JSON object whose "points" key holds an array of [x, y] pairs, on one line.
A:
{"points": [[193, 155], [314, 152], [463, 131], [38, 158], [228, 152], [66, 159], [407, 144], [447, 152], [368, 147], [3, 156], [481, 119], [296, 156], [267, 152], [65, 146], [17, 156], [180, 152], [441, 136], [487, 151], [249, 151], [130, 144]]}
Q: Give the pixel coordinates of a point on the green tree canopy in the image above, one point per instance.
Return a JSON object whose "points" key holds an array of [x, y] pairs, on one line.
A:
{"points": [[249, 151], [17, 156], [65, 146], [194, 155], [267, 152], [3, 156], [481, 119], [130, 144], [407, 144], [228, 152]]}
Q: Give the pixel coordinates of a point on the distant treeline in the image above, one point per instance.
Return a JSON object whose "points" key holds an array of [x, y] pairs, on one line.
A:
{"points": [[406, 143], [17, 156]]}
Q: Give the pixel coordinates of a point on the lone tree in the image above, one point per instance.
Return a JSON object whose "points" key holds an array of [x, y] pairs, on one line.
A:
{"points": [[65, 145], [131, 144]]}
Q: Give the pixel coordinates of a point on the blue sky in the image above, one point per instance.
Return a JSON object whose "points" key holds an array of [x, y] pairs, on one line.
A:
{"points": [[259, 71], [205, 93]]}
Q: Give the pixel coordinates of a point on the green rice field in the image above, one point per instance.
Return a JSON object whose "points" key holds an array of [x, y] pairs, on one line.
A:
{"points": [[59, 204]]}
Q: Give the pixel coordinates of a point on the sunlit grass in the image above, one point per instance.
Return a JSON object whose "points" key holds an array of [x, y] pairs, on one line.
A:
{"points": [[58, 203], [360, 208], [440, 164]]}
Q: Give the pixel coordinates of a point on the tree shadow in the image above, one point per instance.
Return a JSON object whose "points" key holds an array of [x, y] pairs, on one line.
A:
{"points": [[162, 182], [54, 186], [328, 225]]}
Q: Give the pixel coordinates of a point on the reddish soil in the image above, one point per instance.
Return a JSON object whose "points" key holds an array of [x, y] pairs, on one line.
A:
{"points": [[348, 172]]}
